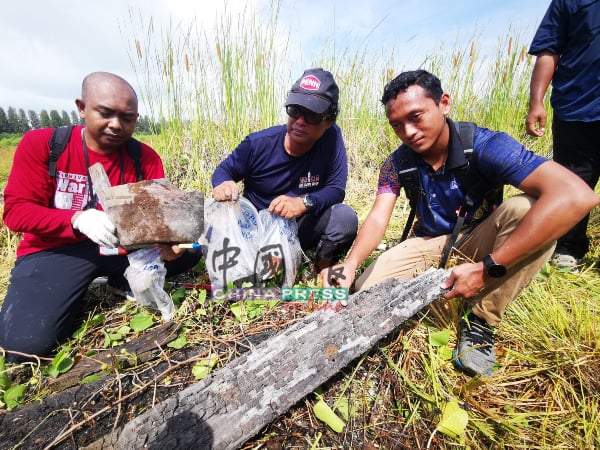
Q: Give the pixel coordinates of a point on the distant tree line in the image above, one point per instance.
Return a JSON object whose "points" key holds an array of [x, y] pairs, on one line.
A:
{"points": [[17, 121]]}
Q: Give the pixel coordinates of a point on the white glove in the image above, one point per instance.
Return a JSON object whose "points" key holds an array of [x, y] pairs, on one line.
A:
{"points": [[97, 226]]}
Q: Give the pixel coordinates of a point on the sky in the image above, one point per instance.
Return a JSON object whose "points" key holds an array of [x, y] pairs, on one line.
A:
{"points": [[47, 47]]}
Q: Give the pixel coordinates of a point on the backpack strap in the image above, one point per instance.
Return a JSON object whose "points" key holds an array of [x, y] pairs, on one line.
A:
{"points": [[134, 150], [409, 179], [466, 133], [473, 184], [60, 137], [57, 143]]}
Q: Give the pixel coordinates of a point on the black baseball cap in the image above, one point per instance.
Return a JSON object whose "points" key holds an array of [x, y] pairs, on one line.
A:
{"points": [[315, 90]]}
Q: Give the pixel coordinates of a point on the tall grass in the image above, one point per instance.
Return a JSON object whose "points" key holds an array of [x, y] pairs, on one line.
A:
{"points": [[210, 87]]}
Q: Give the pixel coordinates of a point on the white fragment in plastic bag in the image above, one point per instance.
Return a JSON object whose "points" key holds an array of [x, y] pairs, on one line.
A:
{"points": [[146, 276], [278, 235], [242, 244]]}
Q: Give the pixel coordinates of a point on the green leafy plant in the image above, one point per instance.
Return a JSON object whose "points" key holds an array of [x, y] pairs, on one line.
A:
{"points": [[95, 320], [204, 366], [60, 364], [326, 415], [115, 336], [14, 395], [454, 420], [89, 379], [250, 309], [141, 321], [178, 343], [440, 340], [4, 380], [178, 296]]}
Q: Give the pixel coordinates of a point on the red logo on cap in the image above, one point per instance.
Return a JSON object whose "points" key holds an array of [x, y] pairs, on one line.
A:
{"points": [[310, 83]]}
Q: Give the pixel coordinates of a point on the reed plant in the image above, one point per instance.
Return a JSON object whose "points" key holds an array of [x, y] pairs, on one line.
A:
{"points": [[209, 88], [544, 395]]}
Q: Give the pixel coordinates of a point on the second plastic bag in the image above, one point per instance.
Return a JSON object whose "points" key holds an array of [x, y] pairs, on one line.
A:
{"points": [[146, 276], [241, 244]]}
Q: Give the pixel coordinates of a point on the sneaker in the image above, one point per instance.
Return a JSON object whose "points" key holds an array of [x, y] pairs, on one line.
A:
{"points": [[475, 352], [566, 262]]}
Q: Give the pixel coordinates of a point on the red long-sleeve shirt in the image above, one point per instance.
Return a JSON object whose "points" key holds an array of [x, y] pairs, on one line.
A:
{"points": [[41, 207]]}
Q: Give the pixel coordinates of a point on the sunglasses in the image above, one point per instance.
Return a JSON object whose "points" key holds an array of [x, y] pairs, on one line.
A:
{"points": [[310, 117]]}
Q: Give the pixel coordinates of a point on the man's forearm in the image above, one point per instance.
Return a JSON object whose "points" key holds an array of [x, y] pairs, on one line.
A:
{"points": [[369, 237], [543, 71], [545, 222]]}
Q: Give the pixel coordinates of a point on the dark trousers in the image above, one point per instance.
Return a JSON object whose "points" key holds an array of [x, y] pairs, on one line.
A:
{"points": [[46, 290], [577, 147], [330, 234]]}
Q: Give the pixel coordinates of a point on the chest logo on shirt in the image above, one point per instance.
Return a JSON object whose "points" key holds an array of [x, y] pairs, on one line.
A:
{"points": [[71, 191], [308, 181]]}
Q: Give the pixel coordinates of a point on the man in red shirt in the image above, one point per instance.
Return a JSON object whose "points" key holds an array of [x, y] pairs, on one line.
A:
{"points": [[62, 223]]}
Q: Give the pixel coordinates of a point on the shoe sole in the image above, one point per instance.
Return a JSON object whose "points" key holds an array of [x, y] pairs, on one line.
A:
{"points": [[466, 371]]}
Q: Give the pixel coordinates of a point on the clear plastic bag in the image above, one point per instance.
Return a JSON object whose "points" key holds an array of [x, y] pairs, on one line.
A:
{"points": [[279, 248], [146, 276], [231, 230], [241, 244]]}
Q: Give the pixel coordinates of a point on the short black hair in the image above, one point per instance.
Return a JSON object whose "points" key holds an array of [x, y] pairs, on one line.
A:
{"points": [[429, 82]]}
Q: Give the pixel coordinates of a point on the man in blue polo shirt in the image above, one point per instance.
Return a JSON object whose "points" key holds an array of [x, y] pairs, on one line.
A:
{"points": [[298, 170], [567, 50], [504, 246]]}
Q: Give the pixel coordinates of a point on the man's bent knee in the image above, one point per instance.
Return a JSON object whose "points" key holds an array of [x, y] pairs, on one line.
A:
{"points": [[516, 207], [343, 224]]}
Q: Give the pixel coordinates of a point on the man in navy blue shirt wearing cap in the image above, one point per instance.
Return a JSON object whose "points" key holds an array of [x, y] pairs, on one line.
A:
{"points": [[298, 170]]}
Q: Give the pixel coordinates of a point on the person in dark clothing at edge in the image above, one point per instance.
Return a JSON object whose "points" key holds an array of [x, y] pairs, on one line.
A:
{"points": [[298, 170], [567, 50], [500, 249], [62, 222]]}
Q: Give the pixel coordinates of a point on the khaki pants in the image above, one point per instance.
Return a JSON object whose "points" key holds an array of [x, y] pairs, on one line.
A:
{"points": [[415, 255]]}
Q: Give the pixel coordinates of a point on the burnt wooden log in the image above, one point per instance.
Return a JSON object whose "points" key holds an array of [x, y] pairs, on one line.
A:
{"points": [[234, 403], [150, 212], [36, 425], [129, 354]]}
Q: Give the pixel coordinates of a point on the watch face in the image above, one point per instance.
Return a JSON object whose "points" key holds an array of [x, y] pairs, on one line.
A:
{"points": [[494, 269], [307, 201], [497, 271]]}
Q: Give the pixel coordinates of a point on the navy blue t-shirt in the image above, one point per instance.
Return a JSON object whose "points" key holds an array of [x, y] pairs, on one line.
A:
{"points": [[261, 162], [497, 158], [571, 29]]}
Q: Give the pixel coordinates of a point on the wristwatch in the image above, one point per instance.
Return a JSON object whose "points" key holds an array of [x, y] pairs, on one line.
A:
{"points": [[493, 269], [308, 202]]}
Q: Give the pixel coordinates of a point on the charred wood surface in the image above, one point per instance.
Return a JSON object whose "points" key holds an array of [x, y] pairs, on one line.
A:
{"points": [[233, 404]]}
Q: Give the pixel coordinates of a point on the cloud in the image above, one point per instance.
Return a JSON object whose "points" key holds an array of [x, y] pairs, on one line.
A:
{"points": [[49, 46]]}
